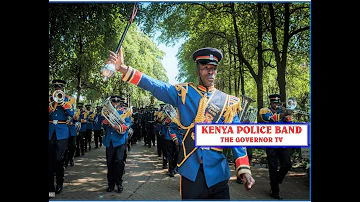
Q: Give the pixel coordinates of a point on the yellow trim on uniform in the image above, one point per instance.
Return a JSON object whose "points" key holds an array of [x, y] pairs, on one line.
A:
{"points": [[184, 90], [217, 149], [128, 73], [180, 186], [196, 89]]}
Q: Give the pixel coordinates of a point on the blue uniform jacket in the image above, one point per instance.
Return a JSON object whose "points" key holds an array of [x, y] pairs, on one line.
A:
{"points": [[165, 128], [269, 115], [98, 119], [176, 132], [60, 115], [111, 135], [89, 124], [83, 120], [186, 98], [72, 128], [127, 119]]}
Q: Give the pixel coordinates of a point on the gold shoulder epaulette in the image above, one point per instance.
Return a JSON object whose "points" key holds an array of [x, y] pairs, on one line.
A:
{"points": [[264, 110], [233, 107], [183, 88]]}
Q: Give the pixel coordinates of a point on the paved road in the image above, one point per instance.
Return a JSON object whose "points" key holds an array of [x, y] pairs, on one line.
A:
{"points": [[146, 180]]}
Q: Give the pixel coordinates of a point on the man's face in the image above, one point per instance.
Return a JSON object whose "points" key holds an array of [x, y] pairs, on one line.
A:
{"points": [[58, 87], [207, 74], [275, 105], [115, 104]]}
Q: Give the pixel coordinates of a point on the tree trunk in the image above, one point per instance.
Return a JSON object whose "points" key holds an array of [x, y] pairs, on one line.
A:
{"points": [[259, 83]]}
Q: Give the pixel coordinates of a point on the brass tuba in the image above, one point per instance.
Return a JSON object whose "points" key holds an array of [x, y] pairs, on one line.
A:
{"points": [[251, 115], [111, 114], [244, 107]]}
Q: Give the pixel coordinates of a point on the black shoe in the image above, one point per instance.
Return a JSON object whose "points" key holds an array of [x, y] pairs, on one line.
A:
{"points": [[71, 162], [66, 164], [159, 155], [164, 167], [110, 189], [276, 196], [171, 174], [58, 189], [96, 147], [119, 188], [82, 154]]}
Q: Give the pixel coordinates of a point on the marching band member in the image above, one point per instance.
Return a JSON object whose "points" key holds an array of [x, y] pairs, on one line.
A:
{"points": [[170, 147], [114, 141], [98, 119], [275, 113], [160, 129], [204, 170], [58, 134], [89, 126], [177, 135], [69, 157], [80, 139]]}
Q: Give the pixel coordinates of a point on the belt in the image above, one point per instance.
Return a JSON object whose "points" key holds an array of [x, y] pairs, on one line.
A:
{"points": [[57, 122]]}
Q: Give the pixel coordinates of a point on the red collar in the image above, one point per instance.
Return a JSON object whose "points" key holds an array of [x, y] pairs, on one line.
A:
{"points": [[203, 89]]}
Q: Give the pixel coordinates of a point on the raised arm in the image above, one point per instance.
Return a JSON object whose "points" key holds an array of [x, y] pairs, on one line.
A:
{"points": [[161, 90]]}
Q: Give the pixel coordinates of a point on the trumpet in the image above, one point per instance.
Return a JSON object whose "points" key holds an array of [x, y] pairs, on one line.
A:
{"points": [[58, 96], [111, 114]]}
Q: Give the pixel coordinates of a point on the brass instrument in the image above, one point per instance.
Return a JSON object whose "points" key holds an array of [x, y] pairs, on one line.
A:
{"points": [[78, 126], [244, 108], [291, 104], [251, 115], [58, 96], [170, 111], [111, 114]]}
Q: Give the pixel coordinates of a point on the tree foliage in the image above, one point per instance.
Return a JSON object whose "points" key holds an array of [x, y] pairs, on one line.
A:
{"points": [[266, 46], [80, 38]]}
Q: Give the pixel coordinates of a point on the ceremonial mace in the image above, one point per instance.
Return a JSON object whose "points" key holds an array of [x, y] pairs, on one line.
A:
{"points": [[108, 70]]}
